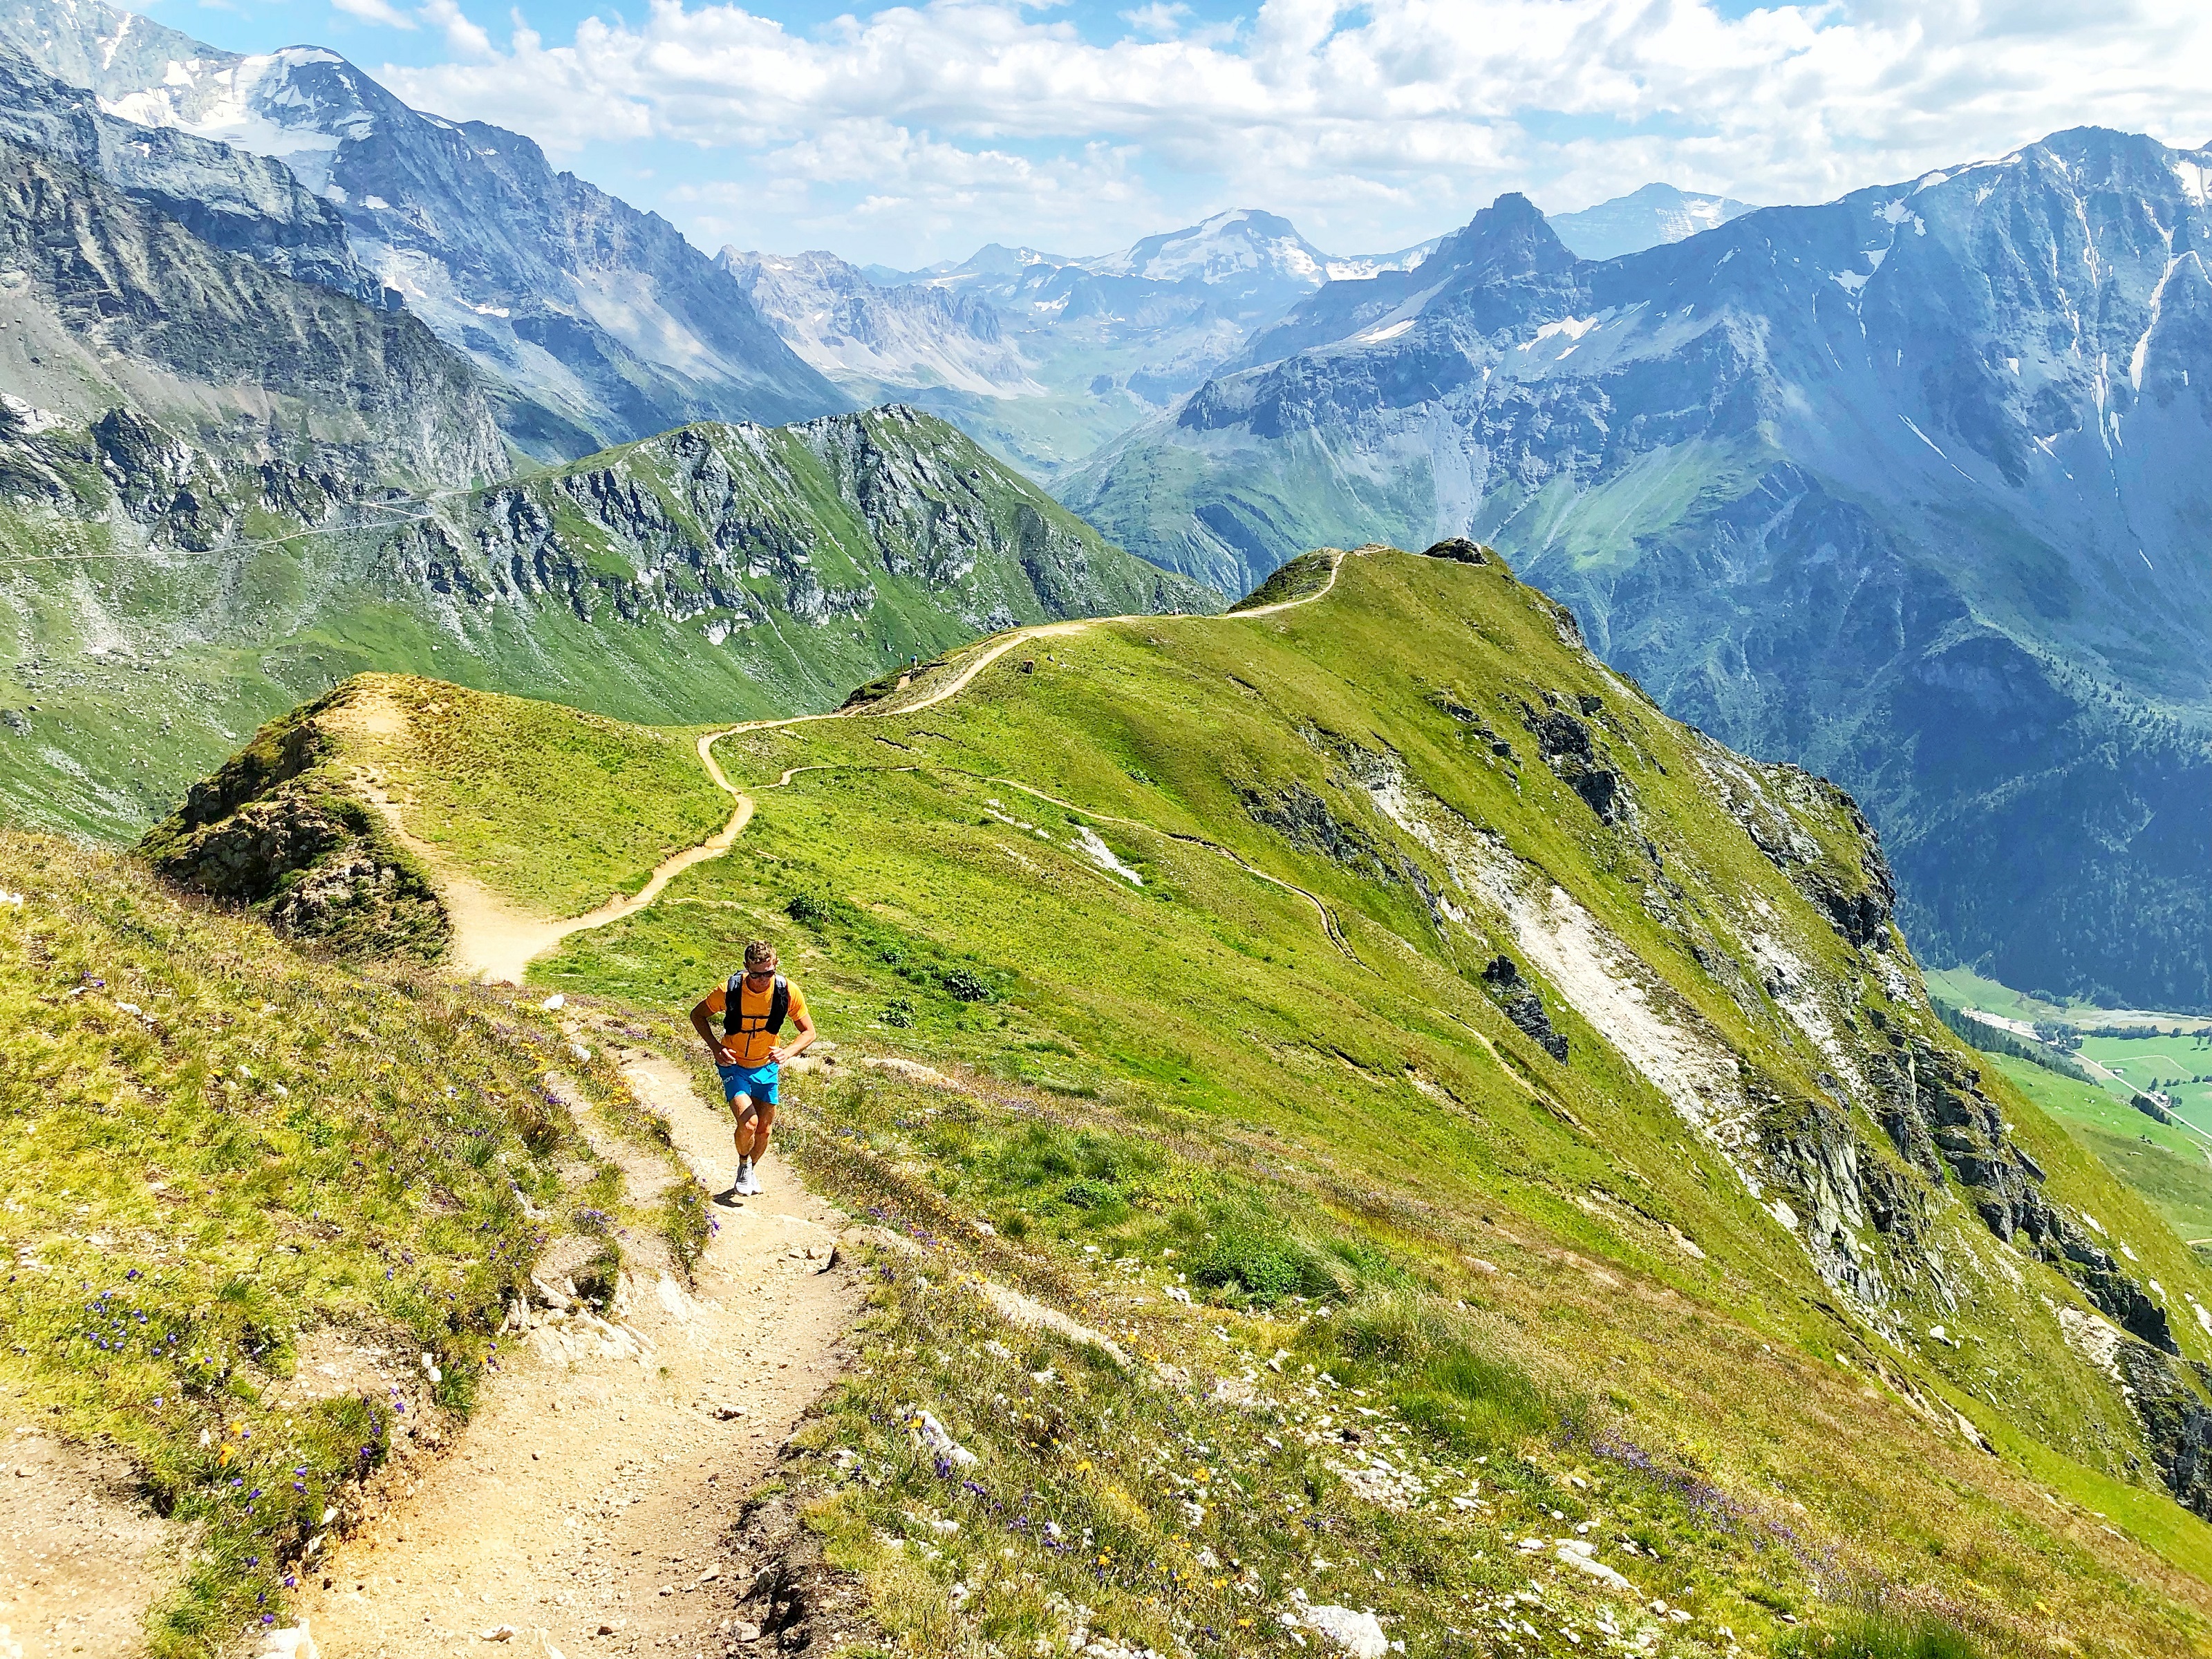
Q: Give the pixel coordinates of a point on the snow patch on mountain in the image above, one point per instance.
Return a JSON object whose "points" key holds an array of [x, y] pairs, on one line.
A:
{"points": [[914, 335]]}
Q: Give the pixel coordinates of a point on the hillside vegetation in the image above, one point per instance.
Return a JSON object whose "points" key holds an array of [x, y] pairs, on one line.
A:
{"points": [[169, 596], [264, 1214], [1501, 1132]]}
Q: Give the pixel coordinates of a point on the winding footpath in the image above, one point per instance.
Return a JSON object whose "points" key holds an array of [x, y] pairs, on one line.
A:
{"points": [[496, 940], [587, 1507]]}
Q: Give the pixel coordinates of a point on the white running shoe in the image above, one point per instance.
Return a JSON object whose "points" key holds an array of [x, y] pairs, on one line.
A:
{"points": [[749, 1183]]}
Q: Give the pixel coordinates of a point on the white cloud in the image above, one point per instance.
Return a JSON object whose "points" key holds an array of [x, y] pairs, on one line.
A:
{"points": [[466, 38], [376, 11], [1161, 18], [909, 185], [1372, 125]]}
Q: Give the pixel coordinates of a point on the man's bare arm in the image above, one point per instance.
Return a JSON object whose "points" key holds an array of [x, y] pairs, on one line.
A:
{"points": [[807, 1034], [703, 1022]]}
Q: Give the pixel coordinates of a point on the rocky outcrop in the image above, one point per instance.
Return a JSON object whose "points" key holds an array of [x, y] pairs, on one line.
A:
{"points": [[274, 832], [1932, 1104], [1765, 799], [2170, 1401], [1518, 1001], [1301, 817], [1566, 745]]}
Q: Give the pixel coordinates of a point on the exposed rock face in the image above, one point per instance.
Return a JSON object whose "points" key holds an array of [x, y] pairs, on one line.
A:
{"points": [[721, 527], [1521, 1004], [1304, 819], [1643, 218], [1894, 487], [1565, 744], [1041, 355], [303, 376], [230, 198], [2176, 1418], [607, 322]]}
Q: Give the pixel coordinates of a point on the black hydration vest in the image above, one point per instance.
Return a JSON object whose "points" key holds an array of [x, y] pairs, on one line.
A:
{"points": [[779, 1005]]}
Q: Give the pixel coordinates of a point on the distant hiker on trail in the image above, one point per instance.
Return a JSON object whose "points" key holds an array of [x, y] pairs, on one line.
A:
{"points": [[753, 1007]]}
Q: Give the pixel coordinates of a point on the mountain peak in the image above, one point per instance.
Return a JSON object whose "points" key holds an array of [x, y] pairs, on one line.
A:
{"points": [[1234, 247], [1647, 216], [1508, 239]]}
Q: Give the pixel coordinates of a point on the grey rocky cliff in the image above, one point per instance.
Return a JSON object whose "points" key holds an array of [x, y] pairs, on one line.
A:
{"points": [[230, 198], [252, 364]]}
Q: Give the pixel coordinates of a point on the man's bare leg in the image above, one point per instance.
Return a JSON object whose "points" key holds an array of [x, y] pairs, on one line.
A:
{"points": [[763, 1121], [742, 1112]]}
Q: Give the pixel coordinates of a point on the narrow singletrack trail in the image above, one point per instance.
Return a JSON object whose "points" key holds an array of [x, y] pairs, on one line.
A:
{"points": [[587, 1505], [495, 940]]}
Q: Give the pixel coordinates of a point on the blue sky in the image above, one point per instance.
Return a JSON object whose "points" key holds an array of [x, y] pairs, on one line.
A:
{"points": [[905, 134]]}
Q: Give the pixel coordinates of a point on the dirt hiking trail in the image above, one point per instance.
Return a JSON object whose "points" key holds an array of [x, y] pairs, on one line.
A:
{"points": [[494, 939], [587, 1507]]}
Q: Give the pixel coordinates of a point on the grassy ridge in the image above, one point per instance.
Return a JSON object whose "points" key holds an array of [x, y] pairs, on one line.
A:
{"points": [[553, 806], [1364, 1126], [642, 583], [219, 1154]]}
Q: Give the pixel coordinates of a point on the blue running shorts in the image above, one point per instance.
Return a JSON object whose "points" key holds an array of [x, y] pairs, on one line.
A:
{"points": [[757, 1081]]}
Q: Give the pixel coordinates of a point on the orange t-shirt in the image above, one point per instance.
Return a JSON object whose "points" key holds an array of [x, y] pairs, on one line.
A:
{"points": [[752, 1041]]}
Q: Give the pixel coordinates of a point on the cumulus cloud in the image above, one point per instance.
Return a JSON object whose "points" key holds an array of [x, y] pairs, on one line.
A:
{"points": [[376, 11], [1378, 122], [463, 37]]}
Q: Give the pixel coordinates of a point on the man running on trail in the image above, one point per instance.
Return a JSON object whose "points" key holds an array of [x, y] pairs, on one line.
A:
{"points": [[753, 1007]]}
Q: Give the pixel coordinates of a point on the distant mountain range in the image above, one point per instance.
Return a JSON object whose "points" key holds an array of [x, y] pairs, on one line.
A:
{"points": [[596, 324], [1047, 356], [1909, 488]]}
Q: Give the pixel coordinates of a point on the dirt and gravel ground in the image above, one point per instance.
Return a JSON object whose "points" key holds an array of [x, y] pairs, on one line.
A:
{"points": [[586, 1507]]}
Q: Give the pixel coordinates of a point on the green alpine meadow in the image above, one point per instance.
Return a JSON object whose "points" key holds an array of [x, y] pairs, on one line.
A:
{"points": [[728, 933], [1352, 1122]]}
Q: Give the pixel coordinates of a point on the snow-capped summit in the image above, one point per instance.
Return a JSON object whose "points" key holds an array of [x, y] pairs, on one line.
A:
{"points": [[1223, 247], [298, 105], [604, 321], [1643, 218]]}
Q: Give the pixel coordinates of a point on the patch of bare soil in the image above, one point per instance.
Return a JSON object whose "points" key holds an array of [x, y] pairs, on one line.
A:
{"points": [[80, 1555]]}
